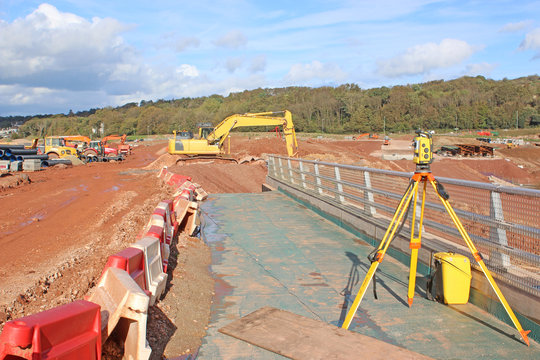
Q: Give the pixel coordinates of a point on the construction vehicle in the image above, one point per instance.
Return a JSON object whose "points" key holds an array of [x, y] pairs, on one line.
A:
{"points": [[510, 144], [369, 135], [121, 148], [89, 147], [33, 145], [211, 139], [55, 147]]}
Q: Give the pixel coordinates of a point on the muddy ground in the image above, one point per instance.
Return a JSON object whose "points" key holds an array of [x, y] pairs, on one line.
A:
{"points": [[59, 225]]}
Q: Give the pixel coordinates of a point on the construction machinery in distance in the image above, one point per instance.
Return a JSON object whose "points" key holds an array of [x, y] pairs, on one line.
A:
{"points": [[210, 139], [90, 148], [369, 135], [122, 147], [56, 147]]}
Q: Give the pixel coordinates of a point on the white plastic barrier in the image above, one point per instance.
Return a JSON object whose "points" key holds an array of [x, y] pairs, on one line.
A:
{"points": [[200, 194], [186, 213], [164, 209], [153, 266], [124, 306]]}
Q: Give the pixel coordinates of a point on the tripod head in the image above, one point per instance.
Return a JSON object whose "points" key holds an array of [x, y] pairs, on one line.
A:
{"points": [[423, 150]]}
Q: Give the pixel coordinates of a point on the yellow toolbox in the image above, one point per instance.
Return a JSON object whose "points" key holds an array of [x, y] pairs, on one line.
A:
{"points": [[454, 277]]}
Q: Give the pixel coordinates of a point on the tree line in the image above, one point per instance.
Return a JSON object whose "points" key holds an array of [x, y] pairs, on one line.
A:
{"points": [[463, 103]]}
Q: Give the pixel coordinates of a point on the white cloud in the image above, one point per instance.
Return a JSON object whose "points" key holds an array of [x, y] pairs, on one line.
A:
{"points": [[513, 27], [188, 71], [304, 73], [483, 68], [421, 59], [531, 42], [186, 42], [234, 39], [233, 63], [60, 50], [258, 64]]}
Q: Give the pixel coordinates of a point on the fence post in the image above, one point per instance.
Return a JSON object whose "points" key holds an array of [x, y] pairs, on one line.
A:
{"points": [[496, 234], [290, 171], [302, 174], [273, 161], [318, 179], [368, 196], [339, 186], [281, 169]]}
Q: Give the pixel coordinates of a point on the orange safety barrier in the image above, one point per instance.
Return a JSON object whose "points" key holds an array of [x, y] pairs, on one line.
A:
{"points": [[71, 331]]}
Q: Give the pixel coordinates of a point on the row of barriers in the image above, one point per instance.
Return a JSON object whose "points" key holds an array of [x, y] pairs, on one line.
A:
{"points": [[133, 279]]}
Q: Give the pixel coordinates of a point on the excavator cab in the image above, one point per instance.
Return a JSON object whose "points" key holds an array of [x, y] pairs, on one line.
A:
{"points": [[205, 129], [183, 135]]}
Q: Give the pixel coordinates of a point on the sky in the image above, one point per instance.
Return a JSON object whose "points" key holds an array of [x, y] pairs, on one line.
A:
{"points": [[76, 55]]}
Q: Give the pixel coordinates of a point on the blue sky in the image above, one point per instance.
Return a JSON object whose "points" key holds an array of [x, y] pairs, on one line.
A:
{"points": [[82, 54]]}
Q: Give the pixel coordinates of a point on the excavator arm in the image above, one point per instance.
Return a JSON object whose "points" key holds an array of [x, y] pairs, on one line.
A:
{"points": [[114, 137], [223, 129]]}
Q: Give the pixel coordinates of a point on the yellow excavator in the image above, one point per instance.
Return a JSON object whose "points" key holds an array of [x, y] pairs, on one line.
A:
{"points": [[211, 140]]}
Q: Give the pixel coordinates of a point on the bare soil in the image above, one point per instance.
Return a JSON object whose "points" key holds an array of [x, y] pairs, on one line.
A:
{"points": [[59, 225]]}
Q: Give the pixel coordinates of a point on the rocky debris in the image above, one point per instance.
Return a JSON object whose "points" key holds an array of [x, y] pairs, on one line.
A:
{"points": [[11, 180]]}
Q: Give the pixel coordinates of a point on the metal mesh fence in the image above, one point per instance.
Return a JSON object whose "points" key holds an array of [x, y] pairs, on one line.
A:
{"points": [[503, 222]]}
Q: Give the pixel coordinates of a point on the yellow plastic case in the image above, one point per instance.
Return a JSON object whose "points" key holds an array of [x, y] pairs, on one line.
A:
{"points": [[456, 277]]}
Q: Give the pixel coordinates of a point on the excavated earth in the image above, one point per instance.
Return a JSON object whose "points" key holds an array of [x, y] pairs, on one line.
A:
{"points": [[59, 225]]}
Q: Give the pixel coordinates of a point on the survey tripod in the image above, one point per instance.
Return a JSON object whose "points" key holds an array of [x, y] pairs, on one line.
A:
{"points": [[423, 157]]}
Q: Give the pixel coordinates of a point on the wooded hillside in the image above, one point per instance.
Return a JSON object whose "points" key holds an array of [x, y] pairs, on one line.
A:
{"points": [[465, 103]]}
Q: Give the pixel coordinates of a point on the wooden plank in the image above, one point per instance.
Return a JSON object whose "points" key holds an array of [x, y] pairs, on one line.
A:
{"points": [[298, 337]]}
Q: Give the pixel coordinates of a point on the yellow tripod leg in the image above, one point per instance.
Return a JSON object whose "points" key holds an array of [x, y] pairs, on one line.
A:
{"points": [[480, 261], [360, 295], [381, 251], [415, 243]]}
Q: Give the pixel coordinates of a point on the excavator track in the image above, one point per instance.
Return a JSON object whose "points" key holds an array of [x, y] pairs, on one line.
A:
{"points": [[186, 158]]}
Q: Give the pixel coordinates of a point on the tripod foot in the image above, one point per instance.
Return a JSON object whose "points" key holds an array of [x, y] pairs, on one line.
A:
{"points": [[410, 300], [524, 336]]}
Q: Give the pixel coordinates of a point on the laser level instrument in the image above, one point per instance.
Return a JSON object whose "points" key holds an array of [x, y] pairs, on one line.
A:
{"points": [[423, 150], [423, 157]]}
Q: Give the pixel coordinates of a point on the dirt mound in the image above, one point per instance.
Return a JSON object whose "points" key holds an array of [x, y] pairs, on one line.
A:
{"points": [[13, 180], [164, 160]]}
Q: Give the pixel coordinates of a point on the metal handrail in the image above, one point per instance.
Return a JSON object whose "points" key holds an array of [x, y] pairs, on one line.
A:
{"points": [[508, 233]]}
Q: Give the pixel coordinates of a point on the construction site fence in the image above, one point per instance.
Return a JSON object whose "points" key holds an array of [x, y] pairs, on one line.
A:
{"points": [[503, 222]]}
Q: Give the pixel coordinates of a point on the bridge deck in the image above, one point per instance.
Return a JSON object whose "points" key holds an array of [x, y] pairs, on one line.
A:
{"points": [[269, 250]]}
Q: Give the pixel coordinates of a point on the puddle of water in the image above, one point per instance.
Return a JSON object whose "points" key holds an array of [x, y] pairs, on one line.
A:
{"points": [[69, 201], [31, 219], [114, 188]]}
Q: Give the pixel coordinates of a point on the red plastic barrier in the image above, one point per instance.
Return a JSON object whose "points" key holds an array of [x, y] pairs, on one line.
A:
{"points": [[168, 227], [67, 332], [156, 232], [178, 180], [186, 194], [130, 260]]}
